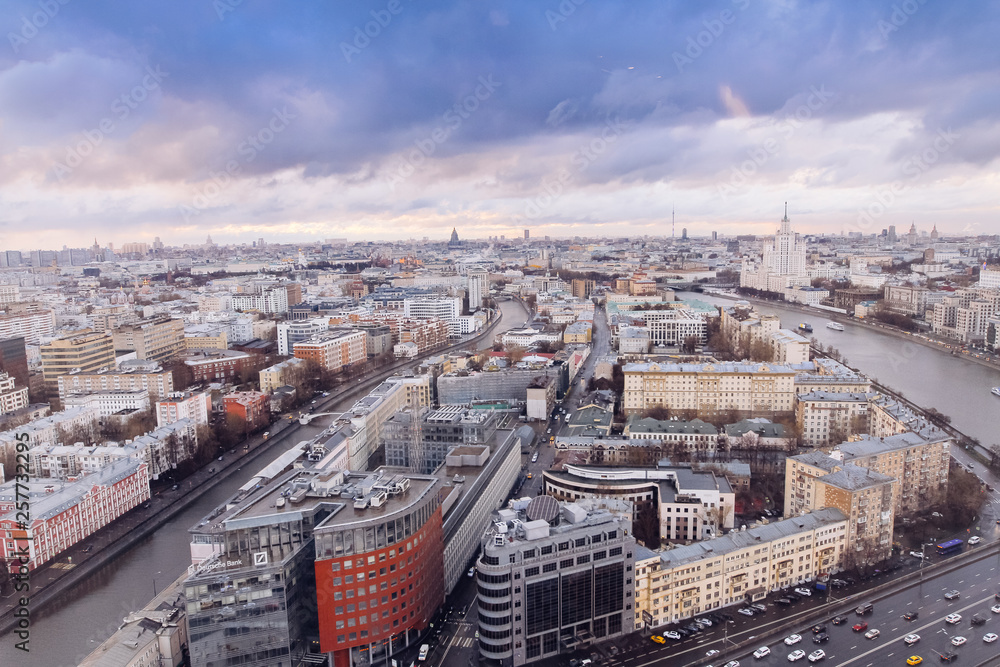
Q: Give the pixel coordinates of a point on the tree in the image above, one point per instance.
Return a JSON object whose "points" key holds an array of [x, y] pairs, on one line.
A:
{"points": [[690, 344], [658, 412]]}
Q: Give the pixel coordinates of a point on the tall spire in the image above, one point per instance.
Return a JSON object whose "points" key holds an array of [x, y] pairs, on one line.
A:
{"points": [[786, 225]]}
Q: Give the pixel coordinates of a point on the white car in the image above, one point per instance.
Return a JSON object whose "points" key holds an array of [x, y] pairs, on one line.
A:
{"points": [[796, 655], [952, 618], [762, 652], [916, 554], [804, 591], [989, 638], [872, 634], [671, 634], [709, 654], [995, 609], [817, 655], [957, 641], [791, 640], [745, 611], [910, 640], [975, 539]]}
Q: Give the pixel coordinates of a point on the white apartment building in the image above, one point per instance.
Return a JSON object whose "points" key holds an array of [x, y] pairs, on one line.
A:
{"points": [[742, 566], [425, 307], [478, 288], [107, 403], [290, 333], [196, 406], [33, 326], [11, 397], [783, 263]]}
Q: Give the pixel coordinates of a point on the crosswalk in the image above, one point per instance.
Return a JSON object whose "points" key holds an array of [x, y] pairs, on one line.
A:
{"points": [[464, 642]]}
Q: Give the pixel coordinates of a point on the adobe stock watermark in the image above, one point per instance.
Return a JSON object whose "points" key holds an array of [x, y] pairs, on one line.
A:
{"points": [[901, 13], [565, 9], [453, 119], [364, 34], [760, 155], [248, 150], [121, 108], [30, 25], [913, 167], [704, 39], [582, 159]]}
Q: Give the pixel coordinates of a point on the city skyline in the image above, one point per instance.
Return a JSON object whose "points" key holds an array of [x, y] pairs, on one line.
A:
{"points": [[400, 119]]}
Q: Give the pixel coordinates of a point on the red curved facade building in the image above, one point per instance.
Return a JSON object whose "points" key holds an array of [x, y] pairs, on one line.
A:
{"points": [[379, 569]]}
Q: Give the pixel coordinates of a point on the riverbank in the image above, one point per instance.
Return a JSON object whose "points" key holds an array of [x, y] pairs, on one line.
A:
{"points": [[917, 338], [55, 579]]}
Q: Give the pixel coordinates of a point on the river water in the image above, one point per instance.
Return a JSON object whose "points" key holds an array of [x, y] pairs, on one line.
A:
{"points": [[929, 377], [68, 630]]}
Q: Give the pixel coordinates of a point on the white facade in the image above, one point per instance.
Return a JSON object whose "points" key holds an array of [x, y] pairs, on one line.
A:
{"points": [[479, 287], [783, 263], [108, 403], [184, 405], [444, 308]]}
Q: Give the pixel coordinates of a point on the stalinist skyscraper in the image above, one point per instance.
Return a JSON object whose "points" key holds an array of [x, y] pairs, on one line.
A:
{"points": [[783, 264]]}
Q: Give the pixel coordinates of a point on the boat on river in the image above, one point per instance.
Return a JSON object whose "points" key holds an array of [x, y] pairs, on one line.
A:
{"points": [[836, 326]]}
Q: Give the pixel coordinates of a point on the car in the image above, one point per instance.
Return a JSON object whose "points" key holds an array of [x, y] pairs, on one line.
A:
{"points": [[791, 640], [839, 620], [803, 591], [528, 476], [818, 628], [914, 660], [733, 663], [957, 640], [672, 634], [952, 618], [912, 615], [977, 619], [817, 655], [703, 622], [911, 639], [472, 571], [948, 656], [745, 611], [872, 634], [917, 554], [821, 638], [762, 652], [975, 539], [783, 602], [951, 595], [793, 596], [713, 652], [175, 487], [860, 627], [865, 608], [759, 607], [838, 583], [990, 637], [658, 639], [796, 655]]}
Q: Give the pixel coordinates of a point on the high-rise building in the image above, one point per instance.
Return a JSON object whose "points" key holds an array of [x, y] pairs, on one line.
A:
{"points": [[479, 288], [783, 263], [552, 577], [527, 234], [157, 340], [14, 359]]}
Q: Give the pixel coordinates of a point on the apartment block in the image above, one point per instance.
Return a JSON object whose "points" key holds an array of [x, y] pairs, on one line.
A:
{"points": [[85, 353], [252, 407], [829, 418], [157, 340], [742, 566], [334, 350], [677, 435], [158, 383], [115, 401], [554, 577], [759, 389], [33, 326], [12, 397], [196, 406], [814, 480], [217, 365], [280, 374]]}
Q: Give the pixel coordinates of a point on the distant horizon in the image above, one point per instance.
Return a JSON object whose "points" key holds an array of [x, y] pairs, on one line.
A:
{"points": [[243, 120]]}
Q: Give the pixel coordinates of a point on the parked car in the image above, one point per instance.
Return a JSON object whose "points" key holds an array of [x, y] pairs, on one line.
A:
{"points": [[745, 611], [759, 607], [783, 602], [803, 591], [672, 634]]}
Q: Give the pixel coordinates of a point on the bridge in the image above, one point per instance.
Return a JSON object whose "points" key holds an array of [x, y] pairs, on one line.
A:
{"points": [[307, 417]]}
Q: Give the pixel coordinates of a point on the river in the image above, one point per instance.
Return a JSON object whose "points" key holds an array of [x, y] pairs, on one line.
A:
{"points": [[69, 629], [929, 377]]}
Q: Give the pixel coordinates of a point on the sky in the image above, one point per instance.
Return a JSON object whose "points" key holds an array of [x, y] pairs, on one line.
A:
{"points": [[388, 119]]}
